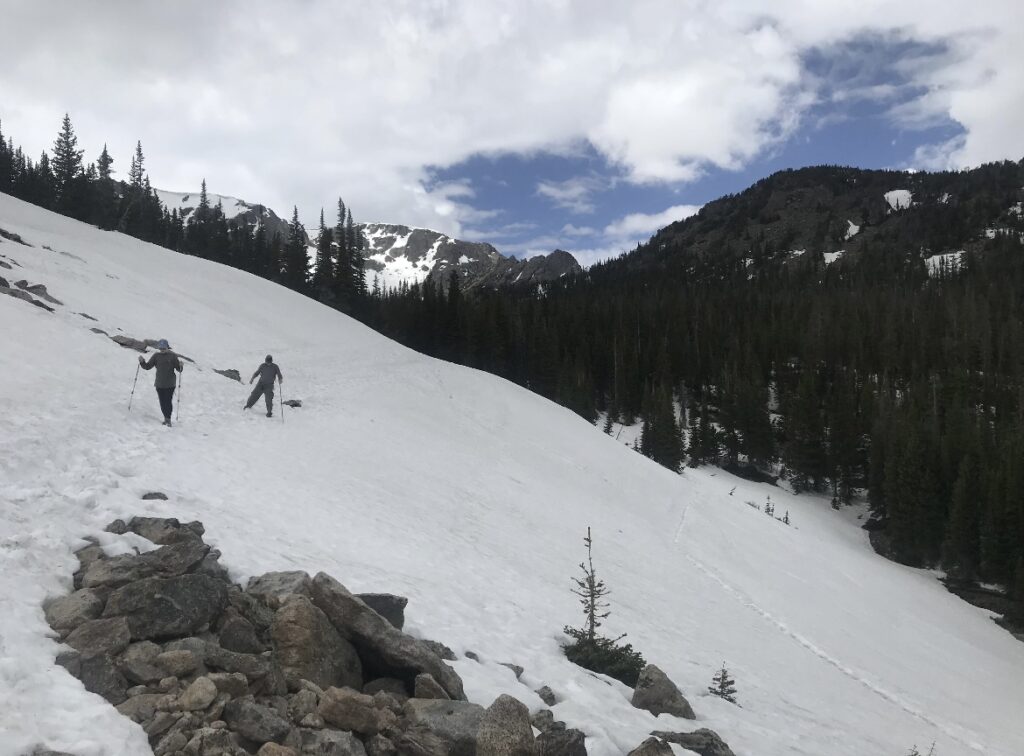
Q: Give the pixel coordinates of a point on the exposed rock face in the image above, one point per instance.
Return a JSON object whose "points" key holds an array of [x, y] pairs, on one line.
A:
{"points": [[546, 695], [274, 587], [308, 647], [563, 742], [167, 561], [387, 605], [165, 607], [455, 723], [100, 636], [381, 647], [68, 612], [99, 675], [652, 747], [425, 686], [704, 742], [254, 722], [357, 712], [505, 730], [229, 373], [656, 693]]}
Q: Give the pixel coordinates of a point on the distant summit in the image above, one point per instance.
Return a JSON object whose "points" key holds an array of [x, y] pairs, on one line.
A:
{"points": [[400, 254]]}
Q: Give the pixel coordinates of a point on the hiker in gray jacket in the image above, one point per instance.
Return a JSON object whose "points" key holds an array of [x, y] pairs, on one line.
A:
{"points": [[267, 373], [166, 362]]}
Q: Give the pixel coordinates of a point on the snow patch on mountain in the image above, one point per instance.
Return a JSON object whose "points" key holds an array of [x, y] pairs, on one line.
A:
{"points": [[852, 230], [899, 199], [948, 262], [831, 257], [186, 203]]}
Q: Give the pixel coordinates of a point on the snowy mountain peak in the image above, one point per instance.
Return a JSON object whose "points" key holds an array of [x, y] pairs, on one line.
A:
{"points": [[234, 209], [400, 254]]}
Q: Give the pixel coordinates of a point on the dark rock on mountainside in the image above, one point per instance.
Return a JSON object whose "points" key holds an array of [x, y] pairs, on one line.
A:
{"points": [[656, 693]]}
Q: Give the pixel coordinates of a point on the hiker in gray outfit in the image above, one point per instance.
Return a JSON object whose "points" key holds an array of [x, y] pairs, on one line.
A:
{"points": [[166, 362], [267, 373]]}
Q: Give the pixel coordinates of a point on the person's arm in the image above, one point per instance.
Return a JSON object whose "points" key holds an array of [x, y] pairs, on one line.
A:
{"points": [[280, 378], [254, 376], [179, 366], [146, 365]]}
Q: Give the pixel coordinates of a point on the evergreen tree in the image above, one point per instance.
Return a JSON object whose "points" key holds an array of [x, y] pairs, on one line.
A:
{"points": [[323, 272], [295, 259], [67, 167], [137, 170], [104, 163], [723, 686]]}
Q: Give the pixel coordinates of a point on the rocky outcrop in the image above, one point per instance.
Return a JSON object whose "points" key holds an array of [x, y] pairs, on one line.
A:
{"points": [[288, 665], [382, 648], [229, 373], [656, 693], [652, 747], [704, 742]]}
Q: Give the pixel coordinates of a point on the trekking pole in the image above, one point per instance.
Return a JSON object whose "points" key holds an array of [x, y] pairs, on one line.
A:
{"points": [[181, 382], [280, 395], [133, 387]]}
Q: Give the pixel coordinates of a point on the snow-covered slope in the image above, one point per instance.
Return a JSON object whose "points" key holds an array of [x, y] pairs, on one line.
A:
{"points": [[461, 491]]}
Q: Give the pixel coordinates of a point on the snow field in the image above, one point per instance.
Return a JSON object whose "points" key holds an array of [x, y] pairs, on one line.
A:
{"points": [[463, 492]]}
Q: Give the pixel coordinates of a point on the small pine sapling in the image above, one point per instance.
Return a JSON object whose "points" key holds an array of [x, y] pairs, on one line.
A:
{"points": [[589, 649], [785, 517], [723, 686]]}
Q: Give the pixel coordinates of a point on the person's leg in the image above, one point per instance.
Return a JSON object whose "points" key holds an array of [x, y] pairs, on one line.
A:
{"points": [[268, 394], [166, 401], [254, 396]]}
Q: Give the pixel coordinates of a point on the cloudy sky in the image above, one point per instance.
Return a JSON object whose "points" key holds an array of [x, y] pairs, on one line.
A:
{"points": [[533, 125]]}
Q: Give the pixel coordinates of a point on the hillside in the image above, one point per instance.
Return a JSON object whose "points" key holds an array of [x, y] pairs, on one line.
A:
{"points": [[460, 490]]}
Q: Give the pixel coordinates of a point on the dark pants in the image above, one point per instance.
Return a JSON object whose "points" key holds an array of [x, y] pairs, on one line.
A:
{"points": [[268, 395], [166, 401]]}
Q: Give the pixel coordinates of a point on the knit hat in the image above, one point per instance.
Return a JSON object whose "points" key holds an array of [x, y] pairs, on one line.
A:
{"points": [[269, 358], [162, 344]]}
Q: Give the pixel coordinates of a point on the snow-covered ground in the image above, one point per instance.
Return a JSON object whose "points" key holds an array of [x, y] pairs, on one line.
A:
{"points": [[187, 202], [467, 494], [948, 262]]}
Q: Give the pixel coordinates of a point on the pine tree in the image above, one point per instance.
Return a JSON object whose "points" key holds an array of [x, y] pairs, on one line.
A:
{"points": [[103, 163], [295, 261], [137, 171], [723, 686], [323, 272], [67, 166], [592, 592]]}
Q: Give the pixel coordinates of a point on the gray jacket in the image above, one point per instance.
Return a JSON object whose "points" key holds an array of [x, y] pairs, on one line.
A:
{"points": [[268, 373], [165, 362]]}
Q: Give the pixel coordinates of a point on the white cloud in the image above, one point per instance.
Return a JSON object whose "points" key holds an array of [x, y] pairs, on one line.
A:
{"points": [[573, 194], [267, 105], [641, 226]]}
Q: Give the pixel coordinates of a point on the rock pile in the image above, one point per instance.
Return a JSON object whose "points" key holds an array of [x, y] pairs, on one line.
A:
{"points": [[289, 665]]}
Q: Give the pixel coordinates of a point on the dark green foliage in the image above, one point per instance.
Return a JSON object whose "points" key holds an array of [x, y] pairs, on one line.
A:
{"points": [[723, 686], [606, 656], [589, 648]]}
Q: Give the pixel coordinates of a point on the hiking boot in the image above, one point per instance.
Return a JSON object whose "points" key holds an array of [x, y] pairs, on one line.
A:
{"points": [[167, 422], [270, 414]]}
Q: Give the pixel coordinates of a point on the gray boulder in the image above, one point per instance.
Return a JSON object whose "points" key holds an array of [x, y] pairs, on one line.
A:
{"points": [[165, 530], [391, 685], [425, 686], [238, 634], [652, 747], [307, 646], [168, 607], [546, 695], [235, 684], [562, 742], [177, 662], [330, 743], [99, 675], [656, 693], [138, 663], [167, 561], [382, 648], [68, 612], [420, 740], [387, 605], [543, 720], [272, 588], [350, 710], [141, 708], [456, 723], [100, 636], [198, 695], [259, 724], [229, 373], [505, 729], [154, 496], [704, 742], [378, 745], [442, 651]]}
